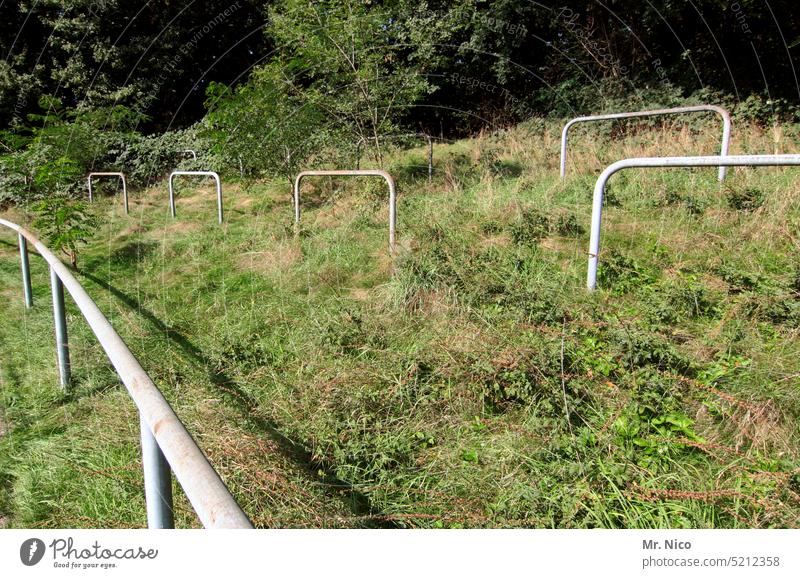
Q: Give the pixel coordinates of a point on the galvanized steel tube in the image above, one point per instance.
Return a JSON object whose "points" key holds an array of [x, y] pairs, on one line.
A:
{"points": [[357, 173], [124, 186], [60, 318], [26, 271], [651, 162], [209, 496], [724, 115], [157, 482], [212, 174]]}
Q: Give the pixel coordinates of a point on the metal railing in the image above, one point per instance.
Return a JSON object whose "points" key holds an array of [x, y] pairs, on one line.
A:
{"points": [[426, 136], [124, 186], [191, 152], [650, 162], [357, 173], [724, 115], [166, 445], [197, 173]]}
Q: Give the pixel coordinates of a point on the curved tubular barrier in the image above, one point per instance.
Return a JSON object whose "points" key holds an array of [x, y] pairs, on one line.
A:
{"points": [[165, 442], [426, 136], [191, 152], [198, 173], [124, 186], [724, 115], [649, 162], [357, 173]]}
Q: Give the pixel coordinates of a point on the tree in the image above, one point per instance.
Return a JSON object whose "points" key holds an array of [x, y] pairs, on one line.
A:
{"points": [[347, 59]]}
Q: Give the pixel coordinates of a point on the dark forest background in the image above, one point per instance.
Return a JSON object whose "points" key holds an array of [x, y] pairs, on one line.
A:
{"points": [[116, 84], [157, 58]]}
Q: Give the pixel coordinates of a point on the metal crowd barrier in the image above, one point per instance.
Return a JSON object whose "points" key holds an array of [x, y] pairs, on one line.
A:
{"points": [[166, 445], [212, 174], [124, 186], [649, 162], [357, 173], [724, 114]]}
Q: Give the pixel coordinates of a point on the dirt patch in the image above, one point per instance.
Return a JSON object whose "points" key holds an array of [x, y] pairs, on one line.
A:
{"points": [[502, 240], [280, 258], [360, 294]]}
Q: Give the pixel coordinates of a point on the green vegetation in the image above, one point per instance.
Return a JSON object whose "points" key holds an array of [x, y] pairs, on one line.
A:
{"points": [[471, 381]]}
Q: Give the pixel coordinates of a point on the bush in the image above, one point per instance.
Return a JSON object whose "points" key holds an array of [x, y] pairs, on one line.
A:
{"points": [[747, 199]]}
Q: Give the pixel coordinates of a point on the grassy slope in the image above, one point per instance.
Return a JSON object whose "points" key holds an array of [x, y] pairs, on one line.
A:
{"points": [[470, 382]]}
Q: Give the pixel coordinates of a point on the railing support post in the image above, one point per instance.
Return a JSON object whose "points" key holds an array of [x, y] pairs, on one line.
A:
{"points": [[60, 317], [157, 482], [26, 271]]}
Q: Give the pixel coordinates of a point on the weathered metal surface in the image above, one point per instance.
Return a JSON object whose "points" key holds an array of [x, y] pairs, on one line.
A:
{"points": [[214, 504], [124, 186], [212, 174]]}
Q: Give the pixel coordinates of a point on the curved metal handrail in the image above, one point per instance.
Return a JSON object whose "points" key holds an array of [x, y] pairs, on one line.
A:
{"points": [[215, 176], [190, 151], [724, 115], [124, 186], [650, 162], [165, 441], [357, 173]]}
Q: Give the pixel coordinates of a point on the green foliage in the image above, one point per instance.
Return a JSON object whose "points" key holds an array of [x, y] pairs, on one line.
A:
{"points": [[530, 227], [621, 273], [264, 125], [65, 223], [744, 199], [345, 58]]}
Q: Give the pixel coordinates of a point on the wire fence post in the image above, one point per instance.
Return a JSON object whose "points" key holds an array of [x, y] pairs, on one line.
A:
{"points": [[26, 272], [430, 158], [60, 317], [157, 482]]}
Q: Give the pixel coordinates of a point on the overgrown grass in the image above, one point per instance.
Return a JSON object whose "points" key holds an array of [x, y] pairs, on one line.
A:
{"points": [[470, 381]]}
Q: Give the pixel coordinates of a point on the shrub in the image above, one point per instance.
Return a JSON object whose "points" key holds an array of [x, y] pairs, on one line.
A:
{"points": [[747, 199]]}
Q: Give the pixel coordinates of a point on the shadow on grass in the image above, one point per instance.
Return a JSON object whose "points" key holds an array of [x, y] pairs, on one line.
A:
{"points": [[357, 501]]}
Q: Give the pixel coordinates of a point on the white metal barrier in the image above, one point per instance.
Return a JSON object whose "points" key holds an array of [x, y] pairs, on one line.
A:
{"points": [[166, 445], [649, 162], [212, 174], [124, 186], [724, 115], [357, 173]]}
